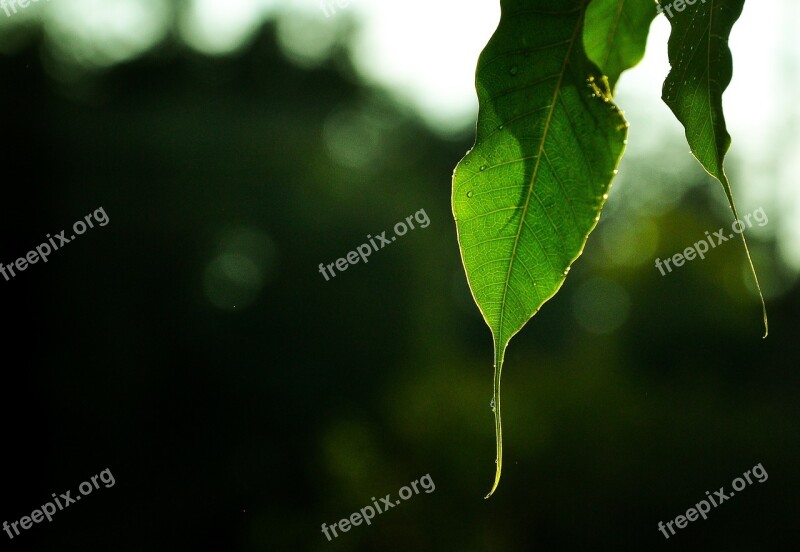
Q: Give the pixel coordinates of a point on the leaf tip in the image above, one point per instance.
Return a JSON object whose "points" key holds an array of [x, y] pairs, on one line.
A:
{"points": [[496, 479]]}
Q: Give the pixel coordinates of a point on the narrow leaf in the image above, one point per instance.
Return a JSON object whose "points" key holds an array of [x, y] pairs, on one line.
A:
{"points": [[702, 69], [530, 191], [616, 34]]}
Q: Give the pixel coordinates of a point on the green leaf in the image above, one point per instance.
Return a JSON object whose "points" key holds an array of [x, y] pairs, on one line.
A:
{"points": [[530, 191], [702, 69], [616, 34]]}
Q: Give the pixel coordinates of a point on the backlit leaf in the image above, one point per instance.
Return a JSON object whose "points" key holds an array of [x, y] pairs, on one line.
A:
{"points": [[702, 69], [528, 194], [616, 34]]}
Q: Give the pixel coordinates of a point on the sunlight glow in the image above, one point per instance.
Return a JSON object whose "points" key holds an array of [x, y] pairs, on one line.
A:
{"points": [[105, 32], [222, 26]]}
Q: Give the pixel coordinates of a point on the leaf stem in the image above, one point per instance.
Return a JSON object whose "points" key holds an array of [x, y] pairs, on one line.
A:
{"points": [[729, 193], [498, 427]]}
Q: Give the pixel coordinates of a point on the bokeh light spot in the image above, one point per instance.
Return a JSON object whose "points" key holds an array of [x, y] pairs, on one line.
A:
{"points": [[601, 306], [245, 262]]}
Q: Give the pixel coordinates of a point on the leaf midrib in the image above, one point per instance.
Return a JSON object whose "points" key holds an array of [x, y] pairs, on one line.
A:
{"points": [[553, 103], [613, 34]]}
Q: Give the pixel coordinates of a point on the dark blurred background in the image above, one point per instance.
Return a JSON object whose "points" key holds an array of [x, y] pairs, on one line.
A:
{"points": [[241, 400]]}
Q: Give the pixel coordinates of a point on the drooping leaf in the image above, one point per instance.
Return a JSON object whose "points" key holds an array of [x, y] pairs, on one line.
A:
{"points": [[530, 191], [616, 34], [702, 69]]}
